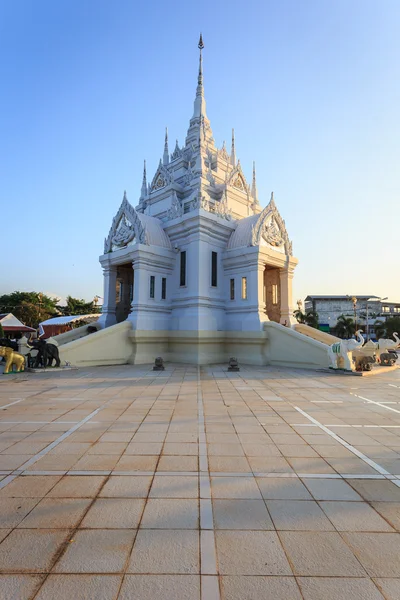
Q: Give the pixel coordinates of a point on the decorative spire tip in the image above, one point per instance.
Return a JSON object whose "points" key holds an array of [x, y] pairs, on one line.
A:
{"points": [[200, 44]]}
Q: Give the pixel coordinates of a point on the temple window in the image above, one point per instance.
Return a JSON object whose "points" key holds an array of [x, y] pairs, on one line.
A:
{"points": [[163, 288], [214, 257], [244, 288], [152, 286], [183, 269]]}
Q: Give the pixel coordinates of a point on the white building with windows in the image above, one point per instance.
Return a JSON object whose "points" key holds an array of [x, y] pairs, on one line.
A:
{"points": [[197, 271], [198, 253]]}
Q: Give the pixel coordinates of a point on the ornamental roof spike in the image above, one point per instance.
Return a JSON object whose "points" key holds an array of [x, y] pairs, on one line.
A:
{"points": [[233, 152], [200, 103], [166, 152], [144, 181], [254, 185]]}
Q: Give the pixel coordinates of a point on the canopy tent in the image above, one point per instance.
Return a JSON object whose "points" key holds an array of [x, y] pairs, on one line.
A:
{"points": [[11, 324], [58, 325]]}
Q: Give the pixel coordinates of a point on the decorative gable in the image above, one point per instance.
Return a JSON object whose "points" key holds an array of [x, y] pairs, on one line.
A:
{"points": [[161, 179], [270, 229], [126, 228], [237, 179]]}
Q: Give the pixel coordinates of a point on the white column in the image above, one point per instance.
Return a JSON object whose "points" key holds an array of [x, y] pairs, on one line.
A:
{"points": [[286, 276], [109, 297]]}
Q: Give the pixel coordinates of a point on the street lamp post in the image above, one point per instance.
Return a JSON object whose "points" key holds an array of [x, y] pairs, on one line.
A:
{"points": [[354, 300]]}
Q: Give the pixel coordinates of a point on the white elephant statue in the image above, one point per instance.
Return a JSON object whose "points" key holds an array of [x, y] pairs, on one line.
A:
{"points": [[383, 345], [342, 352]]}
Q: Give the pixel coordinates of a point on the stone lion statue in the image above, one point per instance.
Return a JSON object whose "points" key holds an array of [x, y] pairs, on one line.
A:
{"points": [[12, 358]]}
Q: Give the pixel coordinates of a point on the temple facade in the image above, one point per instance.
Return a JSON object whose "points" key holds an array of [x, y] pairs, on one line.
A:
{"points": [[198, 253]]}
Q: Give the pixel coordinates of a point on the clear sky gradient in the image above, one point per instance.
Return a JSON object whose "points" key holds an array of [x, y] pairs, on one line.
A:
{"points": [[312, 89]]}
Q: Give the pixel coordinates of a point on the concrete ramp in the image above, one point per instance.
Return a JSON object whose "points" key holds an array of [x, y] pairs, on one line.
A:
{"points": [[290, 348], [316, 334], [111, 346]]}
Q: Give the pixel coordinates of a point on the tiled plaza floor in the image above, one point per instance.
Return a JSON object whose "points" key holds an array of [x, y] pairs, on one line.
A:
{"points": [[198, 484]]}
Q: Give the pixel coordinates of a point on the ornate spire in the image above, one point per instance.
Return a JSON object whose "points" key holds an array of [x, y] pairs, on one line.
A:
{"points": [[272, 201], [233, 152], [166, 152], [144, 182], [254, 185], [200, 103]]}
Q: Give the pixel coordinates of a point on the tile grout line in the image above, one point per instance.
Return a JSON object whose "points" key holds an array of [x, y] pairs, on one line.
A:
{"points": [[208, 558], [352, 449], [377, 403]]}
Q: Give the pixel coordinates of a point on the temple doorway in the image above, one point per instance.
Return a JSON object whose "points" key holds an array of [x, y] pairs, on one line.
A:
{"points": [[124, 291], [272, 293]]}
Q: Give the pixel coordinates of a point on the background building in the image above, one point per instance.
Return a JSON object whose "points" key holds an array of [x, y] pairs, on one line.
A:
{"points": [[367, 309]]}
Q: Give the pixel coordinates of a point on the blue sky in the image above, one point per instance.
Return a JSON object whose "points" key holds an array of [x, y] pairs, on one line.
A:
{"points": [[312, 89]]}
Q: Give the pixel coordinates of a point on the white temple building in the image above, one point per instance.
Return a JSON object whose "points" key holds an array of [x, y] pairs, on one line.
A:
{"points": [[198, 252], [198, 271]]}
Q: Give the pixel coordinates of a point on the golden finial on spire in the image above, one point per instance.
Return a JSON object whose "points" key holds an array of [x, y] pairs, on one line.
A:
{"points": [[201, 45]]}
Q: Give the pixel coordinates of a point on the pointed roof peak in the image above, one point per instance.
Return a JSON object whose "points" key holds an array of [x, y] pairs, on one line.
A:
{"points": [[254, 185], [233, 151], [166, 151]]}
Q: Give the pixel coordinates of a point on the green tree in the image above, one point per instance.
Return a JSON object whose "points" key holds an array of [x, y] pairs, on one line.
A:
{"points": [[386, 329], [76, 306], [345, 327], [309, 318], [29, 307]]}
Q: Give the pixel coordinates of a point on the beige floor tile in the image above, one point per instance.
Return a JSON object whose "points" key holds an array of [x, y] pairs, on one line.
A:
{"points": [[331, 450], [376, 490], [55, 463], [389, 511], [259, 588], [178, 463], [223, 438], [4, 533], [13, 510], [31, 550], [250, 553], [96, 462], [136, 486], [299, 451], [114, 513], [166, 486], [56, 513], [80, 587], [261, 450], [143, 448], [9, 462], [25, 448], [165, 551], [19, 587], [334, 588], [229, 464], [280, 488], [269, 464], [331, 489], [378, 552], [97, 551], [107, 448], [225, 450], [320, 553], [241, 514], [181, 438], [118, 436], [140, 438], [160, 587], [171, 514], [298, 515], [310, 465], [351, 465], [29, 486], [241, 488], [136, 463], [389, 587], [181, 449], [354, 516], [77, 486]]}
